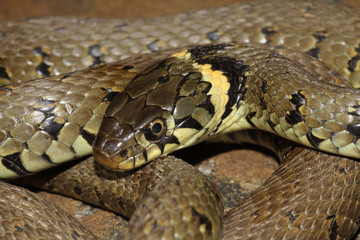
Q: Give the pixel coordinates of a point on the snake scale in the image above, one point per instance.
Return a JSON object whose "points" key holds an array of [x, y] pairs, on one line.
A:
{"points": [[236, 75]]}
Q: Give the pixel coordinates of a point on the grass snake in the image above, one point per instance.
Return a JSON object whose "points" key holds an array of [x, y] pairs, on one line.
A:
{"points": [[237, 75]]}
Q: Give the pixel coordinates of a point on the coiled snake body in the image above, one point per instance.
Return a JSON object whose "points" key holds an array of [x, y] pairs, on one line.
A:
{"points": [[180, 97]]}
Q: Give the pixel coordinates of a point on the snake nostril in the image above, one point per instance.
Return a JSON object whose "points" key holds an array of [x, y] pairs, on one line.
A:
{"points": [[123, 153]]}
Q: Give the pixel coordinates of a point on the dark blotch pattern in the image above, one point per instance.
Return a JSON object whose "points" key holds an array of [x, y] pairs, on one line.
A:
{"points": [[292, 217], [320, 36], [298, 99], [43, 69], [128, 67], [109, 97], [213, 36], [354, 129], [352, 63], [262, 104], [99, 196], [167, 140], [339, 170], [189, 123], [38, 51], [208, 105], [314, 52], [356, 112], [52, 127], [153, 47], [163, 79], [315, 141], [202, 51], [249, 117], [334, 227], [87, 136], [13, 163], [3, 73], [75, 234], [45, 106], [203, 219], [264, 87], [268, 31], [272, 125], [95, 52], [77, 190], [293, 117]]}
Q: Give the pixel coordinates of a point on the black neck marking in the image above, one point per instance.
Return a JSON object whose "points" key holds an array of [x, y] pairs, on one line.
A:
{"points": [[207, 50], [234, 70]]}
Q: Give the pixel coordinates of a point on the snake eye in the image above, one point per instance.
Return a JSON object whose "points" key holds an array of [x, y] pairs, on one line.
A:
{"points": [[155, 130]]}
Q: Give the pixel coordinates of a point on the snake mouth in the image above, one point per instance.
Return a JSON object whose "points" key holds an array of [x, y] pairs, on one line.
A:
{"points": [[124, 160], [118, 162], [101, 158], [119, 155]]}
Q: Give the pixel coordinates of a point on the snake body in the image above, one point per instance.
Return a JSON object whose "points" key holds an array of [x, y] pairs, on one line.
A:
{"points": [[220, 89], [209, 90]]}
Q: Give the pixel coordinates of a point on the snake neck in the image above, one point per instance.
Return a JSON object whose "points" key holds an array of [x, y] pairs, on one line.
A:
{"points": [[275, 94]]}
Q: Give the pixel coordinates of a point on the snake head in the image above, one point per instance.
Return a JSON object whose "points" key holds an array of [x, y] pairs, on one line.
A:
{"points": [[132, 133], [164, 108]]}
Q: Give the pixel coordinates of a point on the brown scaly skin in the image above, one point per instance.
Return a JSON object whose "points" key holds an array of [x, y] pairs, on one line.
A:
{"points": [[151, 192], [294, 202], [215, 89], [323, 39], [66, 118], [289, 199], [26, 215], [57, 45]]}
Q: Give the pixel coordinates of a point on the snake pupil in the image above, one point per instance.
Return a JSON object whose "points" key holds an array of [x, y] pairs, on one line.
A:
{"points": [[156, 128], [123, 153]]}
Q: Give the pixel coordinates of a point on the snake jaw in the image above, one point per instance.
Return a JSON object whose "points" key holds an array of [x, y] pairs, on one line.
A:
{"points": [[113, 145], [104, 160], [120, 160]]}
